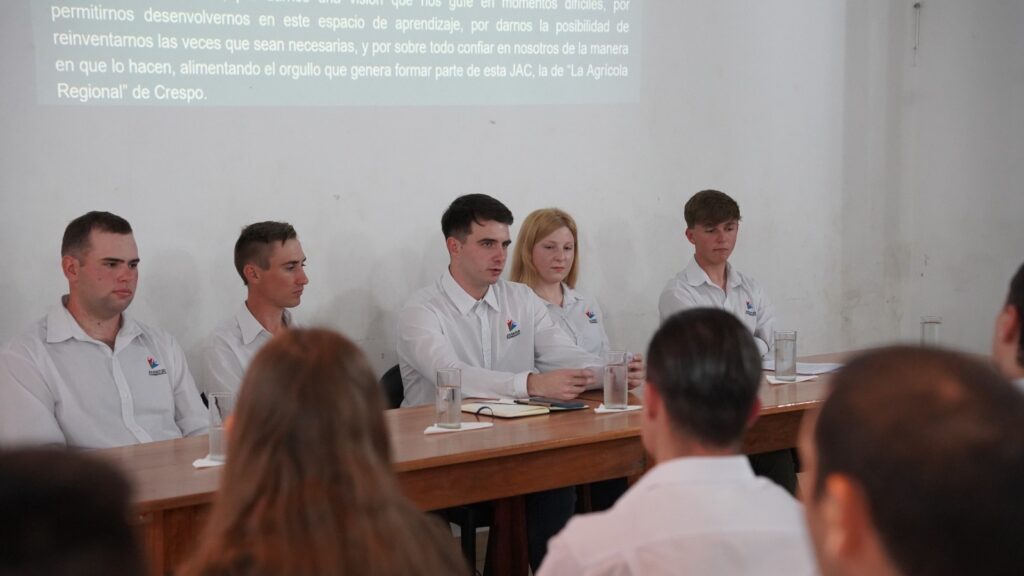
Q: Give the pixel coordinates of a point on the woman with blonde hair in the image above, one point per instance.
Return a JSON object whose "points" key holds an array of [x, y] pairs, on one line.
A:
{"points": [[546, 258], [308, 487]]}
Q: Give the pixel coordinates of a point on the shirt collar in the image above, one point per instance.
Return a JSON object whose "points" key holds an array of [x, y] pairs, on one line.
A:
{"points": [[695, 275], [61, 326], [462, 300], [700, 470], [569, 296], [251, 327]]}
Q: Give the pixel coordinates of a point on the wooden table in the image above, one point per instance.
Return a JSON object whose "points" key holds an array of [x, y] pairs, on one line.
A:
{"points": [[513, 458]]}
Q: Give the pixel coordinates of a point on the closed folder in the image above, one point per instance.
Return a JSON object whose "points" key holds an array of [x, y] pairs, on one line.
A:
{"points": [[503, 410]]}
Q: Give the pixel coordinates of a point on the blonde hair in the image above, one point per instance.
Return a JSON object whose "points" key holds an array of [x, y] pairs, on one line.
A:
{"points": [[308, 488], [537, 226]]}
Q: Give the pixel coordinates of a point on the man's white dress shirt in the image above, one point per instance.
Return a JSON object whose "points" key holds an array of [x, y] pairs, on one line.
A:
{"points": [[693, 515], [496, 341], [60, 386], [230, 349], [743, 297], [581, 318]]}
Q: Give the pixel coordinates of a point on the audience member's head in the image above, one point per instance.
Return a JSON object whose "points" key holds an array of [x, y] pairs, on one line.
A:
{"points": [[545, 231], [1008, 340], [703, 373], [270, 261], [64, 514], [100, 260], [915, 466], [308, 486], [710, 208]]}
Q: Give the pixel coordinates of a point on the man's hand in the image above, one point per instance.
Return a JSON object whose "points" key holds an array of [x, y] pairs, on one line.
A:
{"points": [[637, 371], [563, 384]]}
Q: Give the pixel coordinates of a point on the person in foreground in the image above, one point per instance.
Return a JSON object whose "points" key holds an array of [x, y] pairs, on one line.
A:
{"points": [[1008, 340], [65, 514], [915, 465], [88, 375], [272, 265], [701, 509], [308, 487]]}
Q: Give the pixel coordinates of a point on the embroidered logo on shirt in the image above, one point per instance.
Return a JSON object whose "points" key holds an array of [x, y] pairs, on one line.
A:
{"points": [[513, 329], [750, 309], [591, 317], [154, 366]]}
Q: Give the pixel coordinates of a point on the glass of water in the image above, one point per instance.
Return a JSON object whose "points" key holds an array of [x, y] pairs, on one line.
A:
{"points": [[616, 386], [930, 327], [448, 405], [785, 355], [221, 406]]}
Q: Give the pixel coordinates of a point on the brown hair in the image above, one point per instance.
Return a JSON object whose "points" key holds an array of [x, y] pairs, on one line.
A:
{"points": [[254, 244], [77, 232], [710, 208], [537, 226], [308, 487]]}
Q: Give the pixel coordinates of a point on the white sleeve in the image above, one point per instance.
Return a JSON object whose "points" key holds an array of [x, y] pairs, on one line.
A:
{"points": [[222, 369], [553, 348], [27, 404], [605, 344], [673, 300], [189, 413], [764, 333], [560, 559], [423, 346]]}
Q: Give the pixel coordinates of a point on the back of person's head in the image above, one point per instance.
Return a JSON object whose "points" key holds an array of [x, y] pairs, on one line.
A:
{"points": [[64, 514], [536, 227], [76, 234], [933, 443], [704, 365], [710, 208], [1015, 298], [256, 242], [457, 221], [308, 486]]}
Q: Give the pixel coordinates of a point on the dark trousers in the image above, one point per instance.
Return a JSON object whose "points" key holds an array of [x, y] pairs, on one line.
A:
{"points": [[546, 514], [778, 466]]}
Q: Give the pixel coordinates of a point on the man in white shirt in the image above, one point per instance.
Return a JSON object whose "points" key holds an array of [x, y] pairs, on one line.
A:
{"points": [[712, 224], [701, 509], [915, 465], [271, 263], [88, 375], [1008, 340], [498, 333]]}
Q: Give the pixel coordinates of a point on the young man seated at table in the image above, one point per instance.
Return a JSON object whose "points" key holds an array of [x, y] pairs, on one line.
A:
{"points": [[916, 462], [88, 375], [271, 263], [498, 333], [701, 509], [712, 226], [1008, 340]]}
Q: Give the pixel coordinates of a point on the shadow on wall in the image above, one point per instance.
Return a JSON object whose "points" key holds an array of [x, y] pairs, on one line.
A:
{"points": [[168, 296]]}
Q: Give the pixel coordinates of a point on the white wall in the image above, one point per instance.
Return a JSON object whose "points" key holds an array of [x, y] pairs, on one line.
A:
{"points": [[797, 109]]}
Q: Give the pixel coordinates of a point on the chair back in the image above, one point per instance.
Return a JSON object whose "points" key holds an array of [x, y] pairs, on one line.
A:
{"points": [[394, 390]]}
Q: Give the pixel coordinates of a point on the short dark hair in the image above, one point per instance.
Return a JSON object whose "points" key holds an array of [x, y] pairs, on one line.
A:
{"points": [[710, 208], [65, 514], [76, 235], [254, 243], [935, 439], [705, 365], [1016, 299], [458, 219]]}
